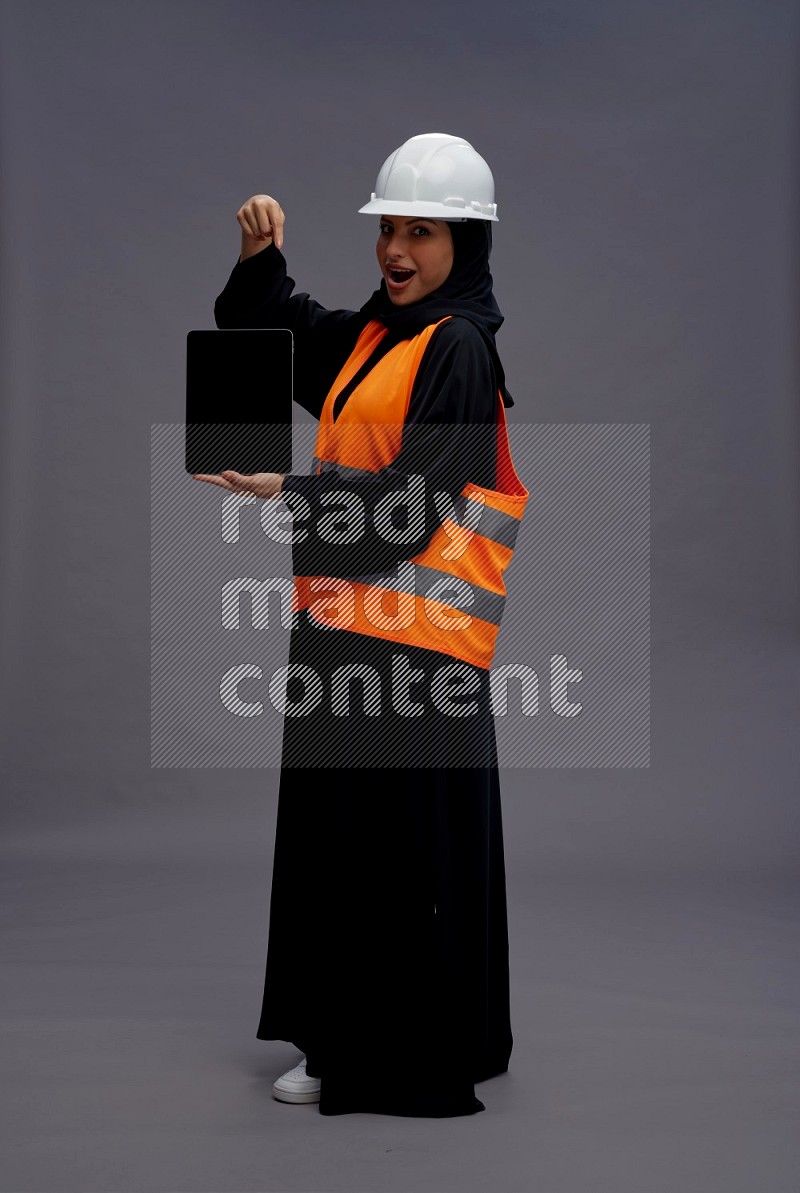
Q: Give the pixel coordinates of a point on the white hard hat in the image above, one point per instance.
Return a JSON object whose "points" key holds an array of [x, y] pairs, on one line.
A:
{"points": [[434, 175]]}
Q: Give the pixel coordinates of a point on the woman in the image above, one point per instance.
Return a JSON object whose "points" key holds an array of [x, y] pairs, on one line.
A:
{"points": [[387, 961]]}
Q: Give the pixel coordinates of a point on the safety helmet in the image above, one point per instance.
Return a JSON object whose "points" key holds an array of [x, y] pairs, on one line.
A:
{"points": [[436, 176]]}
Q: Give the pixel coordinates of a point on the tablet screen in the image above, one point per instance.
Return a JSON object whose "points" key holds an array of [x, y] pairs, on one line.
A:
{"points": [[239, 400]]}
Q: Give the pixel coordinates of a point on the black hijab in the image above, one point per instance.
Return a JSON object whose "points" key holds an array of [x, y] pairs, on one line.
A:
{"points": [[467, 291]]}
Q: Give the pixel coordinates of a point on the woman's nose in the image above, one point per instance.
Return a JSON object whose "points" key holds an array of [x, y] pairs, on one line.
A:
{"points": [[395, 246]]}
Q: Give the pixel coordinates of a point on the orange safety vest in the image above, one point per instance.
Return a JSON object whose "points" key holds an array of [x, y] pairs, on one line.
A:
{"points": [[454, 603]]}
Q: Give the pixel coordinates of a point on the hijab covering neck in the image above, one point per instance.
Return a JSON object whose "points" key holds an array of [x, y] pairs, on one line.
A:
{"points": [[466, 291]]}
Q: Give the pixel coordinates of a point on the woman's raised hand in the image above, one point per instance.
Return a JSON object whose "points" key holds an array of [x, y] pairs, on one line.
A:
{"points": [[261, 219]]}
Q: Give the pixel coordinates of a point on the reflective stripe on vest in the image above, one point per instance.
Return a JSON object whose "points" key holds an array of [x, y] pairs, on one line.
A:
{"points": [[450, 596]]}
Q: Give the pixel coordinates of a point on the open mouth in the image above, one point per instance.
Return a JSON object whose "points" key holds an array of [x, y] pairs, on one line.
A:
{"points": [[398, 278]]}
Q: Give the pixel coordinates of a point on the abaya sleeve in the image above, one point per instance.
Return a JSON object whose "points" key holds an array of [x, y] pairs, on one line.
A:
{"points": [[258, 293], [449, 435]]}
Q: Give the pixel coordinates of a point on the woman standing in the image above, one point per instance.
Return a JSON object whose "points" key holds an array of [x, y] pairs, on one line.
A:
{"points": [[387, 961]]}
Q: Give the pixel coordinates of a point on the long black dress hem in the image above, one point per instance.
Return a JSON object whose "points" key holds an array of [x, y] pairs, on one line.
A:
{"points": [[364, 1095]]}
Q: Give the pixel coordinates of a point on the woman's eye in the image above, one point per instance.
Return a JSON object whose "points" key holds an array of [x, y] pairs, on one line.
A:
{"points": [[386, 230]]}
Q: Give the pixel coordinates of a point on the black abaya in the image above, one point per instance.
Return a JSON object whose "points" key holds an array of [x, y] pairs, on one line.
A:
{"points": [[387, 960]]}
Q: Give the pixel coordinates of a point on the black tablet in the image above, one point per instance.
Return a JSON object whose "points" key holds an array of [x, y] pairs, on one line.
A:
{"points": [[239, 400]]}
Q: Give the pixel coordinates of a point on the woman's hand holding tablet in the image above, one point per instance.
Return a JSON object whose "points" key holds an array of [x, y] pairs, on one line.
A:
{"points": [[262, 484]]}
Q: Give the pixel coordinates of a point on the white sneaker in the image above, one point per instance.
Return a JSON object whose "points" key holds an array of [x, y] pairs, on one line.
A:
{"points": [[296, 1086]]}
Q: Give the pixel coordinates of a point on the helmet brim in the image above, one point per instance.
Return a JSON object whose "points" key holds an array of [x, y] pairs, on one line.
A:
{"points": [[431, 211]]}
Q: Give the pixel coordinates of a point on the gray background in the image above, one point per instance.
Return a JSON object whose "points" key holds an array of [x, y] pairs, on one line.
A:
{"points": [[645, 161]]}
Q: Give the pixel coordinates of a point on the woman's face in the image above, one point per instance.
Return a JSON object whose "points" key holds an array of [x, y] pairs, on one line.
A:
{"points": [[410, 243]]}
